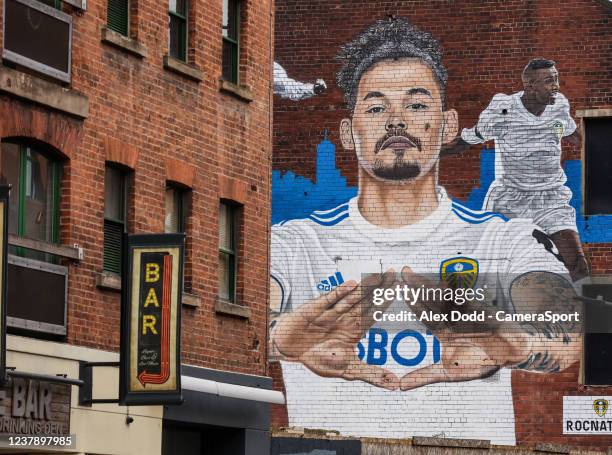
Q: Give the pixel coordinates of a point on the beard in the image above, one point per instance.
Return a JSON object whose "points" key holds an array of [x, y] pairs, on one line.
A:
{"points": [[400, 170]]}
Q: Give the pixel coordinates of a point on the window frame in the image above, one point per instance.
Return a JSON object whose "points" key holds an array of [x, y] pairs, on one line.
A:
{"points": [[36, 260], [231, 253], [21, 191], [181, 212], [55, 70], [585, 116], [235, 43], [182, 45], [107, 219]]}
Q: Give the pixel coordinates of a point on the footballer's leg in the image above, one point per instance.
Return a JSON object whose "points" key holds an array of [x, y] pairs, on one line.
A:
{"points": [[558, 219], [568, 243]]}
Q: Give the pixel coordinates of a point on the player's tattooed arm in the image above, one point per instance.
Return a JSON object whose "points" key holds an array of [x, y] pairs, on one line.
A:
{"points": [[548, 347], [474, 352]]}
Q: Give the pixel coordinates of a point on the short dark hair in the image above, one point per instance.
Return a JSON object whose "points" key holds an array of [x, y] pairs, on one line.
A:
{"points": [[387, 40], [537, 64]]}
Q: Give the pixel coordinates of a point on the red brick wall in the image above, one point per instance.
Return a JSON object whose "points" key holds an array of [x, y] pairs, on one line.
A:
{"points": [[485, 46], [136, 105]]}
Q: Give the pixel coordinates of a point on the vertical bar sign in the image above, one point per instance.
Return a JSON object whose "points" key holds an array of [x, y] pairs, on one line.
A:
{"points": [[4, 206], [150, 335]]}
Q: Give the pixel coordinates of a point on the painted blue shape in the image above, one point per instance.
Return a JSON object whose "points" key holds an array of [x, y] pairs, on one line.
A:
{"points": [[295, 197], [340, 278], [487, 175]]}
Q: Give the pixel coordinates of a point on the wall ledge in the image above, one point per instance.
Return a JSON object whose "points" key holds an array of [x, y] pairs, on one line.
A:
{"points": [[604, 112], [239, 91], [40, 91], [444, 442], [108, 281], [190, 300], [232, 309], [182, 68], [124, 43]]}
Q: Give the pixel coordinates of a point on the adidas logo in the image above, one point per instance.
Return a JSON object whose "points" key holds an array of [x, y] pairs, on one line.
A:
{"points": [[331, 282]]}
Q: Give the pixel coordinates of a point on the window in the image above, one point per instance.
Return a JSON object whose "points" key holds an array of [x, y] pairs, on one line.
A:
{"points": [[178, 29], [231, 28], [598, 165], [177, 202], [118, 16], [34, 201], [33, 215], [39, 37], [175, 210], [115, 191], [598, 335], [227, 252]]}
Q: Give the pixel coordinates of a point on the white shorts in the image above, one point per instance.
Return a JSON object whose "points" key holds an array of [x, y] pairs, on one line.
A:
{"points": [[549, 209]]}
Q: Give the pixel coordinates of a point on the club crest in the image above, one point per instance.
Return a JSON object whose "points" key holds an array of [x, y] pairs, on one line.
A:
{"points": [[600, 406], [459, 272], [558, 129]]}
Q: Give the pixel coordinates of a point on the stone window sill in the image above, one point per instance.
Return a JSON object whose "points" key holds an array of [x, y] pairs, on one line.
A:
{"points": [[43, 92], [123, 42], [108, 281], [191, 300], [232, 309], [239, 91], [182, 68]]}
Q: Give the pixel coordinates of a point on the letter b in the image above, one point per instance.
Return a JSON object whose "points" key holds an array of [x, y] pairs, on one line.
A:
{"points": [[151, 272], [377, 345]]}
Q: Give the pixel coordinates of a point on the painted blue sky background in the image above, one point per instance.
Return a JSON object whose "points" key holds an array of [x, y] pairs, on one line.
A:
{"points": [[295, 197]]}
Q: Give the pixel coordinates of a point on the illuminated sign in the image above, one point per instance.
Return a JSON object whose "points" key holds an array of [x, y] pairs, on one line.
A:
{"points": [[4, 203], [150, 336]]}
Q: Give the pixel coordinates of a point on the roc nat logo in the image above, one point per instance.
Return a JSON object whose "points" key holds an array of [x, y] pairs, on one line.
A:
{"points": [[558, 129], [331, 282], [459, 272], [600, 406]]}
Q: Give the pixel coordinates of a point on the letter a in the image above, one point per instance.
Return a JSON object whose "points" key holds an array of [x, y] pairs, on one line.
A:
{"points": [[151, 298], [151, 272]]}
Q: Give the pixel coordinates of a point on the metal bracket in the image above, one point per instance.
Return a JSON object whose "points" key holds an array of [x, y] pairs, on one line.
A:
{"points": [[61, 378], [86, 376]]}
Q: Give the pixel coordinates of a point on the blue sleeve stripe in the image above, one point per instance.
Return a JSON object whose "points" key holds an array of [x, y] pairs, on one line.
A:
{"points": [[330, 213], [336, 220], [476, 213], [473, 220]]}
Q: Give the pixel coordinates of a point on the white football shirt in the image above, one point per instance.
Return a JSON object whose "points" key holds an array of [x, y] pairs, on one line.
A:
{"points": [[313, 255], [527, 146]]}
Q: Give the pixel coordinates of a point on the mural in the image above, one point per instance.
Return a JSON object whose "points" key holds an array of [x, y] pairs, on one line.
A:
{"points": [[289, 88], [527, 128], [333, 246]]}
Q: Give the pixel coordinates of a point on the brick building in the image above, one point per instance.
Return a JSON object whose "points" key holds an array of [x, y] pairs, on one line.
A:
{"points": [[485, 46], [134, 116]]}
